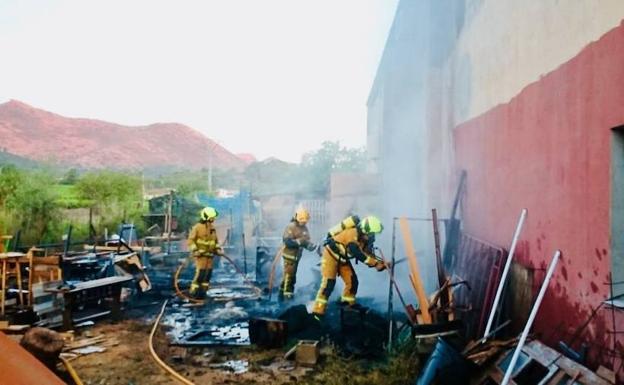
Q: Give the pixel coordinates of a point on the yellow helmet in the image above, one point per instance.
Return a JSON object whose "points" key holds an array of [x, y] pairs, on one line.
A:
{"points": [[302, 216], [371, 225], [209, 213]]}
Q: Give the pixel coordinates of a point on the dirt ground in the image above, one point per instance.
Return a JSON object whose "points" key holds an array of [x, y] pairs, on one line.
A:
{"points": [[130, 362]]}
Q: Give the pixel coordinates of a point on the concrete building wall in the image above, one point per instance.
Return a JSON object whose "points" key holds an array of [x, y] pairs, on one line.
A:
{"points": [[506, 44], [549, 150], [524, 96]]}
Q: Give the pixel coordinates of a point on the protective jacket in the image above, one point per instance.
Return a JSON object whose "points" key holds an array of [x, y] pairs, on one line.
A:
{"points": [[336, 260], [203, 244], [203, 240], [296, 237]]}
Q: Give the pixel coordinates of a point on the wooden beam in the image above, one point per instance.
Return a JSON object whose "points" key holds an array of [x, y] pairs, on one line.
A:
{"points": [[423, 304]]}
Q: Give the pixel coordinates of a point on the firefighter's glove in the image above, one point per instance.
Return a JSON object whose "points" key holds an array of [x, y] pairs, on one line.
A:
{"points": [[311, 246], [380, 266]]}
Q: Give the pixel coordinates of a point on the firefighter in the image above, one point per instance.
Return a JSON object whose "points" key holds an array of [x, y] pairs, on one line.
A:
{"points": [[203, 245], [296, 238], [352, 242]]}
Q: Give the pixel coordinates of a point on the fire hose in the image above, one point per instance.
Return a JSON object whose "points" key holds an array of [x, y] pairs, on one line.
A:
{"points": [[160, 362], [273, 265], [180, 293], [72, 372]]}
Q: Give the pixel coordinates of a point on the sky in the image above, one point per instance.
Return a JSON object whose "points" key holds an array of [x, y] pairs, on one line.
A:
{"points": [[274, 78]]}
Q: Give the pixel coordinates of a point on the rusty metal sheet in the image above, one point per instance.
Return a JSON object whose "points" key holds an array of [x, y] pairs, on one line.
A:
{"points": [[480, 263]]}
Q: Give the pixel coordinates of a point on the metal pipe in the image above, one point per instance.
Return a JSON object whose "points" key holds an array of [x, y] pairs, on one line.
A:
{"points": [[613, 318], [501, 284], [418, 219], [67, 242], [244, 253], [130, 235], [390, 296], [63, 258], [169, 222], [529, 323], [438, 253], [393, 281]]}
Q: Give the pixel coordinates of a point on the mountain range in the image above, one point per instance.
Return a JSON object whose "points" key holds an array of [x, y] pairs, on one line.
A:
{"points": [[44, 136]]}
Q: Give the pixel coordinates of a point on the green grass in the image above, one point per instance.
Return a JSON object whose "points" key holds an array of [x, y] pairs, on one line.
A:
{"points": [[69, 198], [400, 368]]}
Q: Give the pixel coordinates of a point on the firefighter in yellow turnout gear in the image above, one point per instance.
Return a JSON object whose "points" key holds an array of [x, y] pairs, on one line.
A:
{"points": [[341, 247], [296, 237], [203, 245]]}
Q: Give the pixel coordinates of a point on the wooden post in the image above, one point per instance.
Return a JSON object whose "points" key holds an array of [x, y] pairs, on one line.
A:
{"points": [[18, 272], [415, 271], [30, 276], [4, 270]]}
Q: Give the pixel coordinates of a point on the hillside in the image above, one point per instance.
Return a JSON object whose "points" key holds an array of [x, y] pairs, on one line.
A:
{"points": [[44, 136]]}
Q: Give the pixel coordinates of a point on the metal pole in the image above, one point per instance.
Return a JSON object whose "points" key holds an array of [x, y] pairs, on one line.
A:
{"points": [[438, 253], [130, 235], [67, 241], [444, 293], [529, 323], [613, 318], [244, 254], [501, 284], [169, 213], [62, 262], [390, 292]]}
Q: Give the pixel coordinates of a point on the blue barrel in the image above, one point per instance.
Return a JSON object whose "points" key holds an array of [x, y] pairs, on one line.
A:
{"points": [[445, 366]]}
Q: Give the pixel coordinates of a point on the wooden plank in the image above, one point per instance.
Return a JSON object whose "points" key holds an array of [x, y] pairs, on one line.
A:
{"points": [[607, 374], [94, 284], [521, 285], [415, 271], [11, 254]]}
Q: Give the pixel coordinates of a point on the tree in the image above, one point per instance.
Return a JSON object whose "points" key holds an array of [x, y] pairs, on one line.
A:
{"points": [[115, 196], [272, 176], [317, 166], [71, 177], [10, 178], [33, 205]]}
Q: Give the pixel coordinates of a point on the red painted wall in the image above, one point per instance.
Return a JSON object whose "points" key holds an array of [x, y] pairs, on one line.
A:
{"points": [[549, 150]]}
